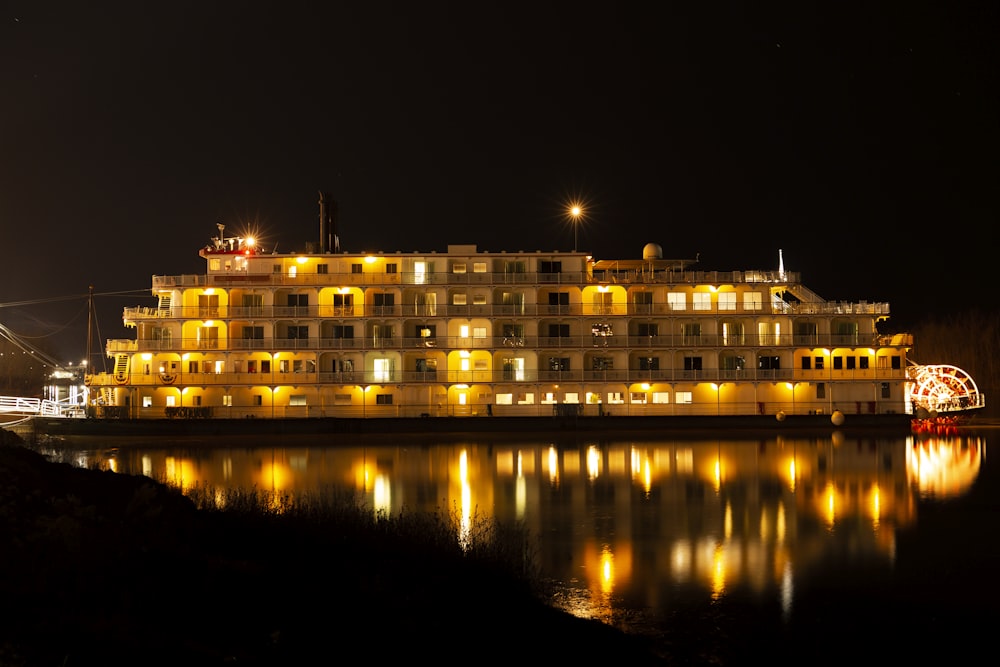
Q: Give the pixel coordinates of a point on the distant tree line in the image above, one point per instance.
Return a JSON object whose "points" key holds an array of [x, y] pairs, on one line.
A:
{"points": [[22, 373], [970, 341]]}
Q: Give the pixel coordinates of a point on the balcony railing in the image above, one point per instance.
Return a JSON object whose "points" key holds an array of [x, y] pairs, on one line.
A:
{"points": [[495, 376], [587, 341]]}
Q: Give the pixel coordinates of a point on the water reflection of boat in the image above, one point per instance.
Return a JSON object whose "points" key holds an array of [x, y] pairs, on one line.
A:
{"points": [[944, 467]]}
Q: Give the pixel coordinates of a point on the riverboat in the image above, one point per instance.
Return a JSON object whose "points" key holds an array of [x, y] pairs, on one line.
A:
{"points": [[327, 334]]}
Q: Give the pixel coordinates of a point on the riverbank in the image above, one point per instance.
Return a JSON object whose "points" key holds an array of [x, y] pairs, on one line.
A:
{"points": [[109, 569]]}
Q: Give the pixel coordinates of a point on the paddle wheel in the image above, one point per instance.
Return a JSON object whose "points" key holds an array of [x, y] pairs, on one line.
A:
{"points": [[941, 395]]}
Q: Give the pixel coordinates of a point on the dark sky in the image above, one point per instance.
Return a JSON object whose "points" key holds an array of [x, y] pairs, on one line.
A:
{"points": [[861, 139]]}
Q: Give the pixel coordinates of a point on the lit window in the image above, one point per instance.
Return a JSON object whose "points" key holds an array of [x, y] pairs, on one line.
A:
{"points": [[701, 301], [727, 301], [752, 301], [676, 300], [505, 399], [683, 397], [661, 397]]}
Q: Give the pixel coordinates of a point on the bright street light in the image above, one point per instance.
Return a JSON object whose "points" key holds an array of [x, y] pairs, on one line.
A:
{"points": [[575, 211]]}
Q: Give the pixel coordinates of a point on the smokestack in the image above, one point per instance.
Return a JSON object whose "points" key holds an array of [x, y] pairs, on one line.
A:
{"points": [[329, 241]]}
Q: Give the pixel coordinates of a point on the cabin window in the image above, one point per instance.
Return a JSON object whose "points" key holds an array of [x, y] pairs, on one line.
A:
{"points": [[322, 268], [638, 397], [602, 363], [683, 398], [383, 399], [676, 301], [806, 363], [752, 301], [357, 268], [479, 267], [661, 397], [701, 301], [727, 301], [885, 390], [692, 363], [559, 364]]}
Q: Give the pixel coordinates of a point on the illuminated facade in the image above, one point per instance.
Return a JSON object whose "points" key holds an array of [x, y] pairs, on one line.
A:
{"points": [[469, 333]]}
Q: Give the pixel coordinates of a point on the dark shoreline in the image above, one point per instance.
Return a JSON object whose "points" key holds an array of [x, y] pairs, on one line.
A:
{"points": [[108, 569]]}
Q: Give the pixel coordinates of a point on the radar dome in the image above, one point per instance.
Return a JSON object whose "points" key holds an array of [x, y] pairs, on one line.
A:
{"points": [[652, 251]]}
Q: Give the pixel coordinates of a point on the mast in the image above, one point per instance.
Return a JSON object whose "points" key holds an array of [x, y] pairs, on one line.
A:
{"points": [[90, 329]]}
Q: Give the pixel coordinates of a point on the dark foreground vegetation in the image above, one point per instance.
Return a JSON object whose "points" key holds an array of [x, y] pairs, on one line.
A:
{"points": [[106, 569]]}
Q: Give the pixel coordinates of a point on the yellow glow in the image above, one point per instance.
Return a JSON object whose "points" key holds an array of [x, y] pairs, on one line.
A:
{"points": [[146, 356], [370, 259], [645, 386], [607, 570], [718, 571], [209, 323], [250, 241], [876, 505], [593, 462], [575, 211], [210, 291], [830, 494], [301, 260], [603, 288], [180, 473], [344, 290], [382, 495], [553, 466]]}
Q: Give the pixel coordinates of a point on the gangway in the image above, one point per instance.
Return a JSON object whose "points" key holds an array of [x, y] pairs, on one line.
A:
{"points": [[19, 408]]}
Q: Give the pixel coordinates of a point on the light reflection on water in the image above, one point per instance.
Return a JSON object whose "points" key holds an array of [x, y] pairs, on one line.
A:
{"points": [[628, 527]]}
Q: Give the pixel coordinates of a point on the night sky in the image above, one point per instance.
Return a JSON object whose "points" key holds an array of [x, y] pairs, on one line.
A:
{"points": [[861, 139]]}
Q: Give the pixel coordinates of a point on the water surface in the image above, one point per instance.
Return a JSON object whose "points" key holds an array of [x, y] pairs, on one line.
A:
{"points": [[861, 535]]}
